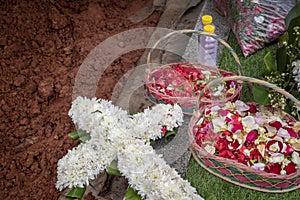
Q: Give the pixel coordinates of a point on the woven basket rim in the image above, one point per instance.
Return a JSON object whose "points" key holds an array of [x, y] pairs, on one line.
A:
{"points": [[261, 189]]}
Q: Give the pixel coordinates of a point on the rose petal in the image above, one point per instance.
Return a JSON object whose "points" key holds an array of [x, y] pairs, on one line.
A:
{"points": [[252, 136], [210, 149], [252, 109], [259, 119], [283, 133], [271, 130], [259, 166], [218, 124], [234, 145], [291, 132], [276, 158], [295, 158], [241, 106], [288, 150], [274, 146], [237, 127], [249, 123], [276, 124], [273, 168], [262, 149], [255, 155], [290, 168]]}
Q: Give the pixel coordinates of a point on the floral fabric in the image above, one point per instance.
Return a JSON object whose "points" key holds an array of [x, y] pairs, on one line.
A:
{"points": [[256, 22]]}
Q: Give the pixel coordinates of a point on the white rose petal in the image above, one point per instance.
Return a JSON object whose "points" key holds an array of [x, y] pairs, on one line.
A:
{"points": [[259, 166], [249, 123], [295, 158], [241, 106], [218, 124], [276, 158], [283, 133]]}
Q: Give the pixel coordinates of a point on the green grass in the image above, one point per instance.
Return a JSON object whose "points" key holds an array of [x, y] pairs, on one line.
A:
{"points": [[211, 187], [252, 66]]}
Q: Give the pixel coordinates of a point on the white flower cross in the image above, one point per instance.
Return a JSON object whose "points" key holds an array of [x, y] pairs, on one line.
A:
{"points": [[116, 135]]}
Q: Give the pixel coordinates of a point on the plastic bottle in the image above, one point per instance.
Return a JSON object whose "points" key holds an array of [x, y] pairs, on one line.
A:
{"points": [[208, 47]]}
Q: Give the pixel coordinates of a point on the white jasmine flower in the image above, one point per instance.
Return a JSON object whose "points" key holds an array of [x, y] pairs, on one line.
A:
{"points": [[283, 172], [296, 72]]}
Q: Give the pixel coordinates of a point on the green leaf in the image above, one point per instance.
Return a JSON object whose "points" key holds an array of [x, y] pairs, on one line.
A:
{"points": [[81, 135], [74, 135], [113, 169], [294, 13], [152, 143], [291, 36], [131, 194], [270, 62], [260, 95], [283, 38], [281, 59], [169, 134], [76, 193]]}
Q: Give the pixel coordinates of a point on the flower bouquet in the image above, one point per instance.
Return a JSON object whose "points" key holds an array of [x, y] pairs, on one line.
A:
{"points": [[248, 144], [181, 83]]}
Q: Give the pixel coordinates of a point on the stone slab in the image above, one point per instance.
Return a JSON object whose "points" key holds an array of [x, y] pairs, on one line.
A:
{"points": [[133, 96]]}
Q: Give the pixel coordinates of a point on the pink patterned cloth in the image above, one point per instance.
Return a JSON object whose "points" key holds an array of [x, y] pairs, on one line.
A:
{"points": [[256, 22]]}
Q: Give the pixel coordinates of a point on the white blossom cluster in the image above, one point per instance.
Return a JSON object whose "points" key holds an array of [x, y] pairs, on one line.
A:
{"points": [[296, 72], [151, 176], [114, 134]]}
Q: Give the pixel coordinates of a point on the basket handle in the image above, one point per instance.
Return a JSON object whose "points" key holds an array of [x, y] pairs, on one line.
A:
{"points": [[251, 80], [185, 31]]}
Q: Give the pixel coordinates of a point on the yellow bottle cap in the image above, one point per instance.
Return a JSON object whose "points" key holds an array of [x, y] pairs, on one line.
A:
{"points": [[209, 29], [206, 19]]}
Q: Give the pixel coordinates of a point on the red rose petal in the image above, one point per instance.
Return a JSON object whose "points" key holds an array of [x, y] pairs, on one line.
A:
{"points": [[252, 109], [291, 132], [289, 150], [276, 124], [274, 168], [252, 136], [290, 168], [237, 127], [271, 142], [235, 144]]}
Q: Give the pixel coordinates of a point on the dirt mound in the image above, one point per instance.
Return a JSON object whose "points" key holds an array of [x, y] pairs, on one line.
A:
{"points": [[42, 44]]}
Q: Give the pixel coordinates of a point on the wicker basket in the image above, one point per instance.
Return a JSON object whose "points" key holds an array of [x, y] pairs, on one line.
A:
{"points": [[239, 173], [187, 102]]}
